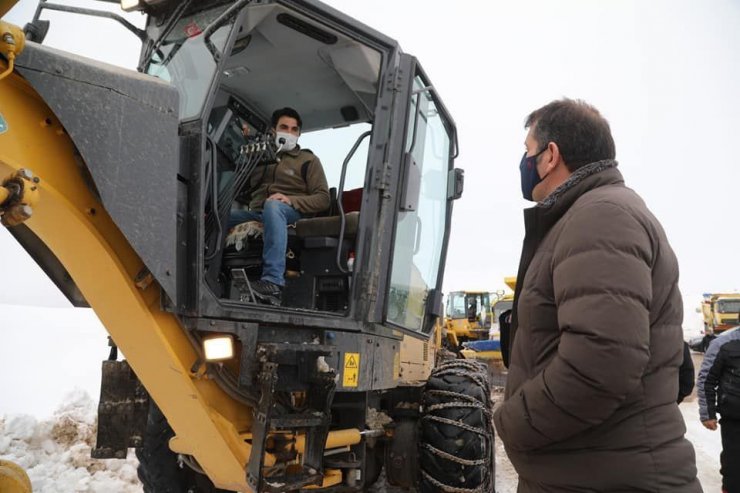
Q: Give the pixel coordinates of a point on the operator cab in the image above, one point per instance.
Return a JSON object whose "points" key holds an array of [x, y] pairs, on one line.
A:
{"points": [[280, 58], [369, 113]]}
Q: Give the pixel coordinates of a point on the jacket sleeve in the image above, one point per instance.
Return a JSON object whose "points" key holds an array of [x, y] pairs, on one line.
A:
{"points": [[317, 197], [602, 283], [707, 395], [685, 375]]}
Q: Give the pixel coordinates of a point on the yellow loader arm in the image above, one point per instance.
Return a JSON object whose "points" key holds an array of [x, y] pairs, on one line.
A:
{"points": [[71, 221]]}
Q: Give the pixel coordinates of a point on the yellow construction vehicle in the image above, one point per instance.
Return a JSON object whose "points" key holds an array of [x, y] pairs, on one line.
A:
{"points": [[120, 183], [489, 351], [720, 311], [468, 317]]}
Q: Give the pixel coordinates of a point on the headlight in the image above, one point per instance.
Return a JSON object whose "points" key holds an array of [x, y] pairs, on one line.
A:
{"points": [[218, 348]]}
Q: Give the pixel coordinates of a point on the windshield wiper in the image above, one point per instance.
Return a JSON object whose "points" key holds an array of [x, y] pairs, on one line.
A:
{"points": [[154, 46]]}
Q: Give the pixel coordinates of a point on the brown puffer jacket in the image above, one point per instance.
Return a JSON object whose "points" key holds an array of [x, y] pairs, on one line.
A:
{"points": [[590, 401]]}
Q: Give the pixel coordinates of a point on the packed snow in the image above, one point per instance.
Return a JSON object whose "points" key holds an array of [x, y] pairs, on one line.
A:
{"points": [[55, 452], [53, 355]]}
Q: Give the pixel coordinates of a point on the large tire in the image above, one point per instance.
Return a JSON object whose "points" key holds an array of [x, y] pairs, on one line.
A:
{"points": [[160, 470], [457, 442]]}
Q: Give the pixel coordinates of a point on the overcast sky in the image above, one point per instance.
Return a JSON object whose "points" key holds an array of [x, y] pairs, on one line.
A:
{"points": [[665, 73]]}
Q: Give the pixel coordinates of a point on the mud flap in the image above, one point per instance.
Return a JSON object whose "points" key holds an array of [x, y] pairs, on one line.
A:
{"points": [[122, 412]]}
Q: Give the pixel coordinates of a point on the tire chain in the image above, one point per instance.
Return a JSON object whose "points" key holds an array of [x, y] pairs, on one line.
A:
{"points": [[476, 372]]}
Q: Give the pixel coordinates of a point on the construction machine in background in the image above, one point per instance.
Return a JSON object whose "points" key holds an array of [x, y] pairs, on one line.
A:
{"points": [[468, 317], [488, 351], [119, 184], [720, 311]]}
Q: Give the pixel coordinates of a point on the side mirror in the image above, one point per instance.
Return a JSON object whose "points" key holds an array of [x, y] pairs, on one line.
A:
{"points": [[433, 310], [455, 184]]}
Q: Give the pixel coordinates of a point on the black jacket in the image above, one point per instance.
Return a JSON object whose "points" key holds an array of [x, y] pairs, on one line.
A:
{"points": [[719, 378]]}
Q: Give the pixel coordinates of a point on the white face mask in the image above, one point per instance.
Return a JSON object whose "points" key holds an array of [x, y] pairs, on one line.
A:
{"points": [[286, 141]]}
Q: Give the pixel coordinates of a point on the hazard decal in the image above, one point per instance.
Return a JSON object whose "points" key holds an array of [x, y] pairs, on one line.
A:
{"points": [[351, 369]]}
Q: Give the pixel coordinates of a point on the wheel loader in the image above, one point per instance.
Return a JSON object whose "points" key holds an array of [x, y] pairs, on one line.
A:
{"points": [[120, 183], [468, 317]]}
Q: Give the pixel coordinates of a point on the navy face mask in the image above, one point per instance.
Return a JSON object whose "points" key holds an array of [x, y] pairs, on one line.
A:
{"points": [[528, 171]]}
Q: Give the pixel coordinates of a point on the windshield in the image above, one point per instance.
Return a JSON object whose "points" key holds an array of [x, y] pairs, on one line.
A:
{"points": [[184, 60], [728, 306]]}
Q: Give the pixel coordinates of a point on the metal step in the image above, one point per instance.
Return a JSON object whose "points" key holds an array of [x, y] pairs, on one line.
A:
{"points": [[303, 420], [292, 482]]}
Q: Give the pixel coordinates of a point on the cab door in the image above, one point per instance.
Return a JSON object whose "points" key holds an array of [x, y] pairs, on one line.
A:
{"points": [[429, 185]]}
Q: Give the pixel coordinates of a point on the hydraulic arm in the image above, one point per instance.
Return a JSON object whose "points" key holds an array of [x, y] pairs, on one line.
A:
{"points": [[65, 214]]}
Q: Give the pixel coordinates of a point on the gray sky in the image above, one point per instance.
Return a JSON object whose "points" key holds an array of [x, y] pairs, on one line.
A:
{"points": [[665, 73]]}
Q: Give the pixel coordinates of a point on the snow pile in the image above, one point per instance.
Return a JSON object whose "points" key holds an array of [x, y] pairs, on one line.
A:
{"points": [[56, 452]]}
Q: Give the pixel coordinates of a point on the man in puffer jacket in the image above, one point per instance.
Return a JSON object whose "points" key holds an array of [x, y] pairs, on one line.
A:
{"points": [[718, 387], [596, 338]]}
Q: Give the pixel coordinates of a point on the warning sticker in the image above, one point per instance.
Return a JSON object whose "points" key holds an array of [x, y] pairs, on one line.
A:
{"points": [[351, 369]]}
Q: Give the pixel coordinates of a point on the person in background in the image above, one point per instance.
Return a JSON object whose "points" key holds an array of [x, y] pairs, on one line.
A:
{"points": [[718, 388]]}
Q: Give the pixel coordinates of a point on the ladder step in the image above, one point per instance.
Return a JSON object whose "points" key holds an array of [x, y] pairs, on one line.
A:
{"points": [[292, 482], [304, 420]]}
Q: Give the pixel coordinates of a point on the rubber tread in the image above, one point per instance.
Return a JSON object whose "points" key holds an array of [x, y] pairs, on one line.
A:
{"points": [[159, 469], [457, 442]]}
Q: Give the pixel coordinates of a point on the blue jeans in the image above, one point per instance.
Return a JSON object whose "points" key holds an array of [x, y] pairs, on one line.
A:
{"points": [[275, 216]]}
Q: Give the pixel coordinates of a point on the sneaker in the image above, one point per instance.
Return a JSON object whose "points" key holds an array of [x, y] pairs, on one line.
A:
{"points": [[267, 292]]}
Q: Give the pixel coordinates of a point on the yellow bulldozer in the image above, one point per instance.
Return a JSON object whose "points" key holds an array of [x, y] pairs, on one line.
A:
{"points": [[119, 184]]}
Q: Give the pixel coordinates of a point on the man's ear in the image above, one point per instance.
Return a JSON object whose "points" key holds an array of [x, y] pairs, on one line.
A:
{"points": [[555, 156]]}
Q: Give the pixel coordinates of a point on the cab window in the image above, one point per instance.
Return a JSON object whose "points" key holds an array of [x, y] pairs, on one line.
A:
{"points": [[420, 233]]}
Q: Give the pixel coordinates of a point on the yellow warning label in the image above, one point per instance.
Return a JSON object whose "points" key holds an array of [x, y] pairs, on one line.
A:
{"points": [[351, 369]]}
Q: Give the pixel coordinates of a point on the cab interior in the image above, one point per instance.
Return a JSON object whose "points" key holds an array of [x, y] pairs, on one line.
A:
{"points": [[280, 58]]}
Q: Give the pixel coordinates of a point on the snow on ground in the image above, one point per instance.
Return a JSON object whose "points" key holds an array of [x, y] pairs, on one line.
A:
{"points": [[46, 352], [56, 452]]}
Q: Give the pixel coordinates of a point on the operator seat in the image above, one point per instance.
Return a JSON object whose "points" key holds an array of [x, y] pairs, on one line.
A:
{"points": [[313, 280]]}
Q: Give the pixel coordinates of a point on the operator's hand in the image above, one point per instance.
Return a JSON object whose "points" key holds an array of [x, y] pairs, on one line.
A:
{"points": [[245, 129], [710, 424], [282, 198]]}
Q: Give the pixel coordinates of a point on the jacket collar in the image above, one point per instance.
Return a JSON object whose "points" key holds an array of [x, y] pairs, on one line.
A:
{"points": [[584, 179], [293, 152], [581, 175]]}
